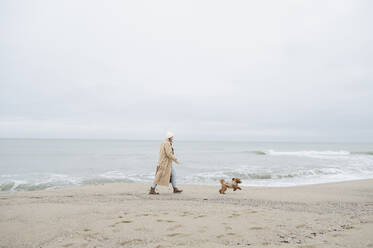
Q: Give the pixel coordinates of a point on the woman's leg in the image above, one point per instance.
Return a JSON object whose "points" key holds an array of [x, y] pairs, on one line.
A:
{"points": [[173, 177], [152, 190]]}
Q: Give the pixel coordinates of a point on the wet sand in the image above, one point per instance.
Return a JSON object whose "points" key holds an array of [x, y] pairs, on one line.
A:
{"points": [[124, 215]]}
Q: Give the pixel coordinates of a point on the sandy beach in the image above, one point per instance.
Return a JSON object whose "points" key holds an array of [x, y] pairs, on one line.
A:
{"points": [[124, 215]]}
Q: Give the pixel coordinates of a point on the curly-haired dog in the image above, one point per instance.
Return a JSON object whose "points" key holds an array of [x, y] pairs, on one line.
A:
{"points": [[233, 184]]}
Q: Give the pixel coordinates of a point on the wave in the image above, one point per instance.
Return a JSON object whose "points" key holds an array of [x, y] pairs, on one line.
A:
{"points": [[7, 186], [12, 186], [42, 181], [363, 153], [249, 177], [268, 174], [256, 152], [309, 153], [33, 187], [245, 175]]}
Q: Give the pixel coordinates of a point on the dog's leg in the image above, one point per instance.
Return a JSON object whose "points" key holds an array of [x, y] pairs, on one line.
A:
{"points": [[223, 189], [238, 188], [234, 189]]}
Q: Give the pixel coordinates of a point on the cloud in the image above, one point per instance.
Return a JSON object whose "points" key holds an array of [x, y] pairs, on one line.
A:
{"points": [[265, 70]]}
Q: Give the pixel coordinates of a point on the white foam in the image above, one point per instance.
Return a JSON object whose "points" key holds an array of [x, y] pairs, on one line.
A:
{"points": [[207, 167], [308, 153]]}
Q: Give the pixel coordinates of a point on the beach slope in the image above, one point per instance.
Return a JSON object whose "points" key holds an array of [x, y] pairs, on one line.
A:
{"points": [[124, 215]]}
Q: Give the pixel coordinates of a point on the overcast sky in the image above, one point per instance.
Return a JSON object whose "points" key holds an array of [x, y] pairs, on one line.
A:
{"points": [[217, 70]]}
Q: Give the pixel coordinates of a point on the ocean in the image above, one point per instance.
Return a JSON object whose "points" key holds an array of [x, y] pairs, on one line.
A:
{"points": [[37, 164]]}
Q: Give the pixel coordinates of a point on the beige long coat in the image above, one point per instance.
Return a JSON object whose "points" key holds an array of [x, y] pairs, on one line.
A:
{"points": [[166, 156]]}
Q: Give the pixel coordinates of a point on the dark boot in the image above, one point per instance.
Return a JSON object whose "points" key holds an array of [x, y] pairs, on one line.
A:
{"points": [[176, 190], [152, 191]]}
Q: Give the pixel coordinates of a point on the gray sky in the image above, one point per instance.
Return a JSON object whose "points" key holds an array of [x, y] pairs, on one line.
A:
{"points": [[218, 70]]}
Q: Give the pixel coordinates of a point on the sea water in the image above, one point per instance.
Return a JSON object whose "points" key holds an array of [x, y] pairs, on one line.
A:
{"points": [[34, 164]]}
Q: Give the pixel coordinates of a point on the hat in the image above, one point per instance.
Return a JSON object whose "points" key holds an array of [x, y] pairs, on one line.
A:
{"points": [[169, 135]]}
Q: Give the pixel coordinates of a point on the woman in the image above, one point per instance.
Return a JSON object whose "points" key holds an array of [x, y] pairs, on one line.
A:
{"points": [[165, 171]]}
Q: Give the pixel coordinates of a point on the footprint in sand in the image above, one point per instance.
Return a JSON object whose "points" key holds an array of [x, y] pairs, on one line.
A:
{"points": [[220, 236], [233, 215], [301, 225], [169, 221], [120, 222], [87, 230], [130, 242], [200, 216], [172, 228], [138, 215], [185, 214], [68, 245], [126, 221], [256, 228], [35, 197], [174, 234]]}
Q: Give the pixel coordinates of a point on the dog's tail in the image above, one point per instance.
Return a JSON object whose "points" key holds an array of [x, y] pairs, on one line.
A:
{"points": [[221, 180]]}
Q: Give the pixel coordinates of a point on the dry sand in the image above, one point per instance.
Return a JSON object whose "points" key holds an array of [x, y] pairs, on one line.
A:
{"points": [[124, 215]]}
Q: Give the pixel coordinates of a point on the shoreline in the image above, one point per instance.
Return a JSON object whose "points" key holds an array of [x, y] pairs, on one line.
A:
{"points": [[124, 215], [207, 185]]}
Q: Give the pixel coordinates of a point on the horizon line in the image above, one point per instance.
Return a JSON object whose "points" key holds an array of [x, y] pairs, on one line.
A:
{"points": [[188, 140]]}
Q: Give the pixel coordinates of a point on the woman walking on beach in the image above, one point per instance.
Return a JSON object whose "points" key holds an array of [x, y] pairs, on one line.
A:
{"points": [[165, 171]]}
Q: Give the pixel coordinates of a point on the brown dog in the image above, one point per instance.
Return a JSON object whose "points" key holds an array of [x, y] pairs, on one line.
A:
{"points": [[233, 185]]}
